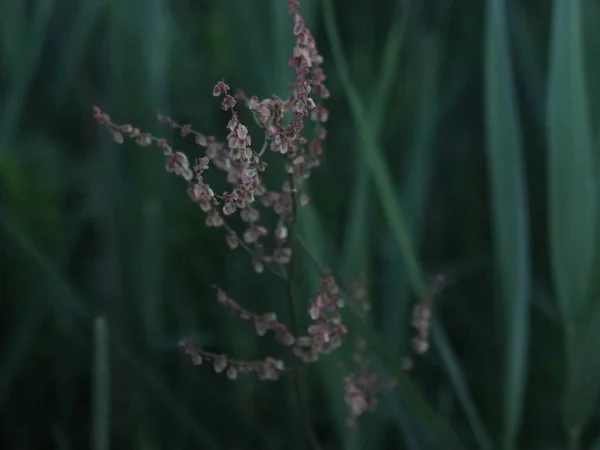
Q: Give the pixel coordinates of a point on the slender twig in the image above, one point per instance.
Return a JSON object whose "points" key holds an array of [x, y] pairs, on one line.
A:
{"points": [[299, 381], [270, 267]]}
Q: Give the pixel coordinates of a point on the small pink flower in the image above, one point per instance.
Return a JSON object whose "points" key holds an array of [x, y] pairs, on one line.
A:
{"points": [[220, 88], [232, 240]]}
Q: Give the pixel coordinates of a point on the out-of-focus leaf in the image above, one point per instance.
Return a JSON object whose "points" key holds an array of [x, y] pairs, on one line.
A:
{"points": [[584, 385], [572, 204], [510, 213], [101, 388], [73, 54], [21, 341], [40, 267], [461, 388], [571, 199], [22, 74]]}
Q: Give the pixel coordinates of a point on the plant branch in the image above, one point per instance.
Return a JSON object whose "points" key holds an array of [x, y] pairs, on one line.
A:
{"points": [[247, 248], [299, 381]]}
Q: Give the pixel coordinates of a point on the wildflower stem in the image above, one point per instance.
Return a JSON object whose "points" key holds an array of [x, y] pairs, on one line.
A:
{"points": [[245, 246], [299, 381], [264, 146]]}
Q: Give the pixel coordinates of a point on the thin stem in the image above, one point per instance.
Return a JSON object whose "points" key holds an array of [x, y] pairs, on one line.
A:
{"points": [[299, 381], [247, 248], [575, 439], [264, 146]]}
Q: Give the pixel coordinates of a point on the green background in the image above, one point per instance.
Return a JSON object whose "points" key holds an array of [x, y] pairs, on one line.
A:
{"points": [[462, 141]]}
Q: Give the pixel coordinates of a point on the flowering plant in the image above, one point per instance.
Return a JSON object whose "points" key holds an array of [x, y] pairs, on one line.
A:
{"points": [[283, 122]]}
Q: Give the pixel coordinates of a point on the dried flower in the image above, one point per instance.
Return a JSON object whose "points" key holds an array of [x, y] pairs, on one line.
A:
{"points": [[267, 369], [420, 321], [326, 331]]}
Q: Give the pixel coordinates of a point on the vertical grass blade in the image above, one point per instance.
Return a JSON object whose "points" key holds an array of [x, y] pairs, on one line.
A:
{"points": [[461, 388], [101, 387], [355, 244], [24, 71], [570, 162], [584, 383], [74, 51], [527, 61], [572, 202], [509, 213], [415, 185]]}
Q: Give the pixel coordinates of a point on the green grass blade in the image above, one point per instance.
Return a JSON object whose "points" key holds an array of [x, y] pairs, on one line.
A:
{"points": [[510, 212], [591, 37], [74, 52], [101, 387], [355, 244], [23, 73], [461, 388], [410, 431], [391, 58], [415, 185], [584, 385], [572, 202], [570, 163], [157, 27], [527, 61], [374, 157]]}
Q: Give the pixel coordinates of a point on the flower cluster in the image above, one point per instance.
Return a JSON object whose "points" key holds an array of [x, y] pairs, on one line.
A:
{"points": [[324, 333], [420, 322], [267, 369], [282, 121], [262, 323], [361, 384]]}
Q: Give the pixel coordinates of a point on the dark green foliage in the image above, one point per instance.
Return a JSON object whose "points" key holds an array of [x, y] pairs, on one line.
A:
{"points": [[463, 140]]}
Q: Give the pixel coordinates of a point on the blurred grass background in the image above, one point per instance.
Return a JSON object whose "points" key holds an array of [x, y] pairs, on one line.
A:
{"points": [[463, 140]]}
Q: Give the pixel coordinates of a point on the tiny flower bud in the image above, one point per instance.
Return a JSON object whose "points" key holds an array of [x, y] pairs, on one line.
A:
{"points": [[232, 373], [232, 240], [261, 327], [270, 317], [220, 363], [117, 137]]}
